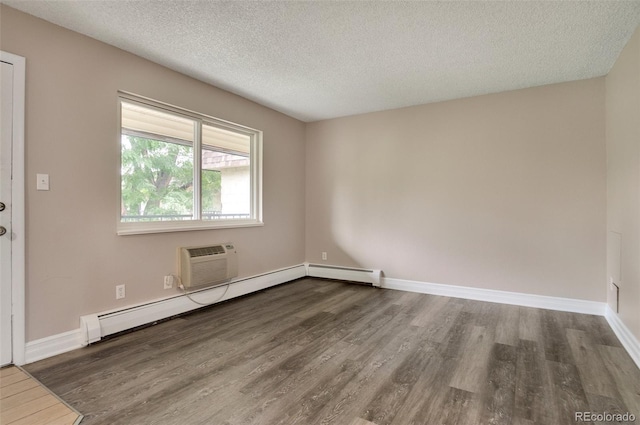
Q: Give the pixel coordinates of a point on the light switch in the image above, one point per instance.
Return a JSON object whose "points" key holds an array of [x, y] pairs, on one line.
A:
{"points": [[42, 181]]}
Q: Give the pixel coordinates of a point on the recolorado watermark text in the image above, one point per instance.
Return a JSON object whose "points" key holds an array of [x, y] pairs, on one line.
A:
{"points": [[604, 417]]}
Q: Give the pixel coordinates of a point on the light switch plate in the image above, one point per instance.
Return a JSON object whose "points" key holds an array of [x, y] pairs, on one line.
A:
{"points": [[42, 181]]}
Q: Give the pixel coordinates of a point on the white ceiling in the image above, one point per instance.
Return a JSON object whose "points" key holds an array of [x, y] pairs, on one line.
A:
{"points": [[322, 59]]}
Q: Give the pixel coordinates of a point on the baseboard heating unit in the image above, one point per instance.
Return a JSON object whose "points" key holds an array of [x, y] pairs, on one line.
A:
{"points": [[94, 327], [344, 273]]}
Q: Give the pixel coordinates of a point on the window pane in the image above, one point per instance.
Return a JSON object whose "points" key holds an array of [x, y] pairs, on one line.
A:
{"points": [[226, 174], [157, 180], [181, 170], [142, 120], [156, 165], [225, 140], [211, 197]]}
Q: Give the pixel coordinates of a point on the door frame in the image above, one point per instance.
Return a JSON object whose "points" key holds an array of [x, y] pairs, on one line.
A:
{"points": [[17, 208]]}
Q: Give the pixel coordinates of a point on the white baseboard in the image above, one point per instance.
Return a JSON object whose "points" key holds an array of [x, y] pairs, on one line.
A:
{"points": [[628, 340], [114, 321], [479, 294], [495, 296], [52, 345]]}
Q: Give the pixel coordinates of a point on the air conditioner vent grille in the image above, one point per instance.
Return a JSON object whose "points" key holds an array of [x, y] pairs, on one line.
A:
{"points": [[207, 265], [207, 250]]}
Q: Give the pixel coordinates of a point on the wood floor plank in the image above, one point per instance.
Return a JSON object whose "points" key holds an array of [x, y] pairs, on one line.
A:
{"points": [[353, 319], [271, 308], [309, 400], [529, 324], [530, 388], [135, 381], [233, 354], [521, 421], [507, 328], [433, 401], [376, 321], [406, 299], [457, 335], [569, 395], [626, 376], [8, 371], [321, 285], [13, 378], [310, 390], [45, 416], [556, 345], [598, 403], [345, 302], [470, 375], [331, 382], [391, 396], [68, 419], [438, 329], [376, 359], [289, 400], [106, 355], [460, 408], [499, 392], [27, 409], [17, 387], [436, 315], [486, 315], [360, 421], [601, 332], [15, 400], [423, 308], [322, 304], [333, 353], [595, 377], [293, 364], [151, 385], [304, 326]]}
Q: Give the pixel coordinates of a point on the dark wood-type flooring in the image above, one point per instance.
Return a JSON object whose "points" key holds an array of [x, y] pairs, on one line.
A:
{"points": [[326, 352]]}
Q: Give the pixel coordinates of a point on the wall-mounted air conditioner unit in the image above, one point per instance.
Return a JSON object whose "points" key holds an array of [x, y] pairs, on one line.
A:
{"points": [[207, 265]]}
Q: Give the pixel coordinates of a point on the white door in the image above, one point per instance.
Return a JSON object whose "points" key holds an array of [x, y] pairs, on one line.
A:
{"points": [[6, 132]]}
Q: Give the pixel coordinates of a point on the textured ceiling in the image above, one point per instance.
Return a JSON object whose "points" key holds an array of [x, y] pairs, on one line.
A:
{"points": [[317, 60]]}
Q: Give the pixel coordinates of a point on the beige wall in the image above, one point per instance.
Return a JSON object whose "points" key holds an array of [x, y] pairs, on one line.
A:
{"points": [[623, 180], [74, 258], [504, 191]]}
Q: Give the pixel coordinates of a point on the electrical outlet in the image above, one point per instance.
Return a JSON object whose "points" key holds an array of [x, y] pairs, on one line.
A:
{"points": [[120, 292], [324, 256], [168, 282]]}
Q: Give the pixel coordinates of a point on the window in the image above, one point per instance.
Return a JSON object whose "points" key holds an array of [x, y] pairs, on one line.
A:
{"points": [[181, 170]]}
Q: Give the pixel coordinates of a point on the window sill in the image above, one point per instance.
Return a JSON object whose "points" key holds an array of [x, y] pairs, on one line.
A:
{"points": [[125, 229]]}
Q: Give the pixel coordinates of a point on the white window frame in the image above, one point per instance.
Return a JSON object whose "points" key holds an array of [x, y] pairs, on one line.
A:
{"points": [[255, 156]]}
